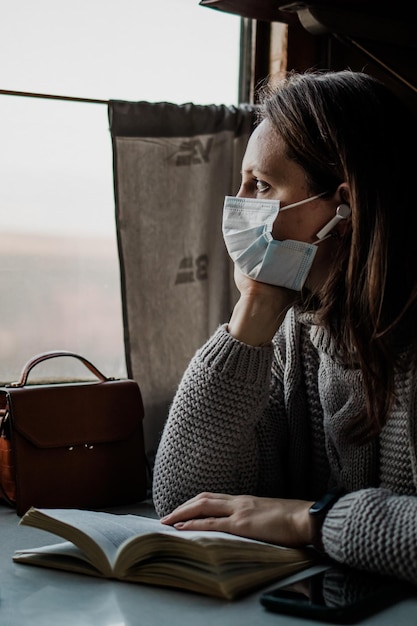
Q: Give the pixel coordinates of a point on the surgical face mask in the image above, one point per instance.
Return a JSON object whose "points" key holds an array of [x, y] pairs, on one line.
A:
{"points": [[247, 232]]}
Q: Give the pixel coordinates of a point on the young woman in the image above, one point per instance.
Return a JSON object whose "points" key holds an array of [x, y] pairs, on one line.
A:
{"points": [[312, 384]]}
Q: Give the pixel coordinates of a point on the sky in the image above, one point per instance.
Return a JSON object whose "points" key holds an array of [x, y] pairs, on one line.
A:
{"points": [[55, 156]]}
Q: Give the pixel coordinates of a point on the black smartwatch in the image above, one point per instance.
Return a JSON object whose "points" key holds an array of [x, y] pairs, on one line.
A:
{"points": [[318, 512]]}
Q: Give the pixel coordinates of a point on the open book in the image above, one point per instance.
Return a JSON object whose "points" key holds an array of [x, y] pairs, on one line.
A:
{"points": [[143, 550]]}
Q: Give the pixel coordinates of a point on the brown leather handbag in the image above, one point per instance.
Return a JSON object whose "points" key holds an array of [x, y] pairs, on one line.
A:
{"points": [[71, 445]]}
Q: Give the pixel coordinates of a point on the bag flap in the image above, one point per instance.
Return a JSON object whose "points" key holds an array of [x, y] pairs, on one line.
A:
{"points": [[73, 414]]}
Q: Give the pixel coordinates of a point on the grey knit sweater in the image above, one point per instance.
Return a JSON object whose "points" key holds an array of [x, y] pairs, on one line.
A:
{"points": [[268, 421]]}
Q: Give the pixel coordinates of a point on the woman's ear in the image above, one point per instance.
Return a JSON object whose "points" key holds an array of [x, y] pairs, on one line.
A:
{"points": [[341, 222], [343, 194]]}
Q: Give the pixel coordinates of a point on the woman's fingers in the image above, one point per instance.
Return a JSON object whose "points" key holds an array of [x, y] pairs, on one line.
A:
{"points": [[222, 524], [201, 506], [268, 519]]}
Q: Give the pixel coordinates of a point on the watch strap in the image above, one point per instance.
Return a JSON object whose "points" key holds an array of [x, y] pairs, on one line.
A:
{"points": [[318, 512]]}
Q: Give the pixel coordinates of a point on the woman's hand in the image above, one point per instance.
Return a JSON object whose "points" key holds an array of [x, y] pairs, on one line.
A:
{"points": [[260, 310], [249, 287], [279, 521]]}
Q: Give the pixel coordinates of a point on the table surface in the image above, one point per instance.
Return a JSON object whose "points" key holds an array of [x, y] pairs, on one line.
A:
{"points": [[45, 597]]}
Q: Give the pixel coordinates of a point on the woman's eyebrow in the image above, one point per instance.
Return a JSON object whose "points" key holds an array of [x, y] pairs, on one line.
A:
{"points": [[254, 170]]}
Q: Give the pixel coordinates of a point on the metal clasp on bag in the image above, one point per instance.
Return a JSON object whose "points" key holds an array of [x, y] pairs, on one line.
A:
{"points": [[90, 446]]}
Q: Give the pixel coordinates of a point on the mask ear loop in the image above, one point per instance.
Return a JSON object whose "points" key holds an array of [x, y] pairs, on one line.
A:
{"points": [[342, 212], [290, 206]]}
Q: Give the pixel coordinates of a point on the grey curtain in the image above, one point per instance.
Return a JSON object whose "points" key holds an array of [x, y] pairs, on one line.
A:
{"points": [[173, 165]]}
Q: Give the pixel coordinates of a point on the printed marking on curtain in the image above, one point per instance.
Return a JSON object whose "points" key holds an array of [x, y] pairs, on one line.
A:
{"points": [[191, 269], [193, 152]]}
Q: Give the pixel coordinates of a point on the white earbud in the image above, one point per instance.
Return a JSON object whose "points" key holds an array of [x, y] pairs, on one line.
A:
{"points": [[342, 212]]}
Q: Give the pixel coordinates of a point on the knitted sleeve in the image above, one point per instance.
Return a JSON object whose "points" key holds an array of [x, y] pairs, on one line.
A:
{"points": [[216, 437], [374, 530]]}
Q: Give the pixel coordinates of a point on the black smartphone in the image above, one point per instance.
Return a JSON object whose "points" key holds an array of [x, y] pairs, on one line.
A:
{"points": [[338, 595]]}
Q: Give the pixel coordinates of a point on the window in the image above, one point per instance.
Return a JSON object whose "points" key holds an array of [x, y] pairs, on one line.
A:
{"points": [[59, 274]]}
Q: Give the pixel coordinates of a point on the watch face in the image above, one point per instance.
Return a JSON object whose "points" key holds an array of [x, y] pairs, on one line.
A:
{"points": [[323, 505]]}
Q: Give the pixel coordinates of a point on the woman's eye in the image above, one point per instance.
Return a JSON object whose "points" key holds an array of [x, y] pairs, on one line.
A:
{"points": [[261, 185]]}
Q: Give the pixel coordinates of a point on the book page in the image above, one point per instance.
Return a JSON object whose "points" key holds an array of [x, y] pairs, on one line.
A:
{"points": [[64, 555], [96, 533]]}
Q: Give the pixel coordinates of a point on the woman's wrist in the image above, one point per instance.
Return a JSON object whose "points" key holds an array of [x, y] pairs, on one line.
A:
{"points": [[301, 523], [256, 319]]}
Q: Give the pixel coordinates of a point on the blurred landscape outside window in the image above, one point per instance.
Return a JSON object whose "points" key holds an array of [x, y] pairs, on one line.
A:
{"points": [[59, 273]]}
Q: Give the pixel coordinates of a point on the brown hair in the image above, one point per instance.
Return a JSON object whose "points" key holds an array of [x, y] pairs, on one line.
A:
{"points": [[348, 127]]}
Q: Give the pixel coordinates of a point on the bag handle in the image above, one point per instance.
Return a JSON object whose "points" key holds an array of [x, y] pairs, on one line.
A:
{"points": [[52, 354]]}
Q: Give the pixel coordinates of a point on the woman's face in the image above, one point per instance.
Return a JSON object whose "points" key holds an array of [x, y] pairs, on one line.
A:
{"points": [[268, 173]]}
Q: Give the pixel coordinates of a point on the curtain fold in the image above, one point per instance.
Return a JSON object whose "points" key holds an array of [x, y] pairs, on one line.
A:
{"points": [[173, 165]]}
